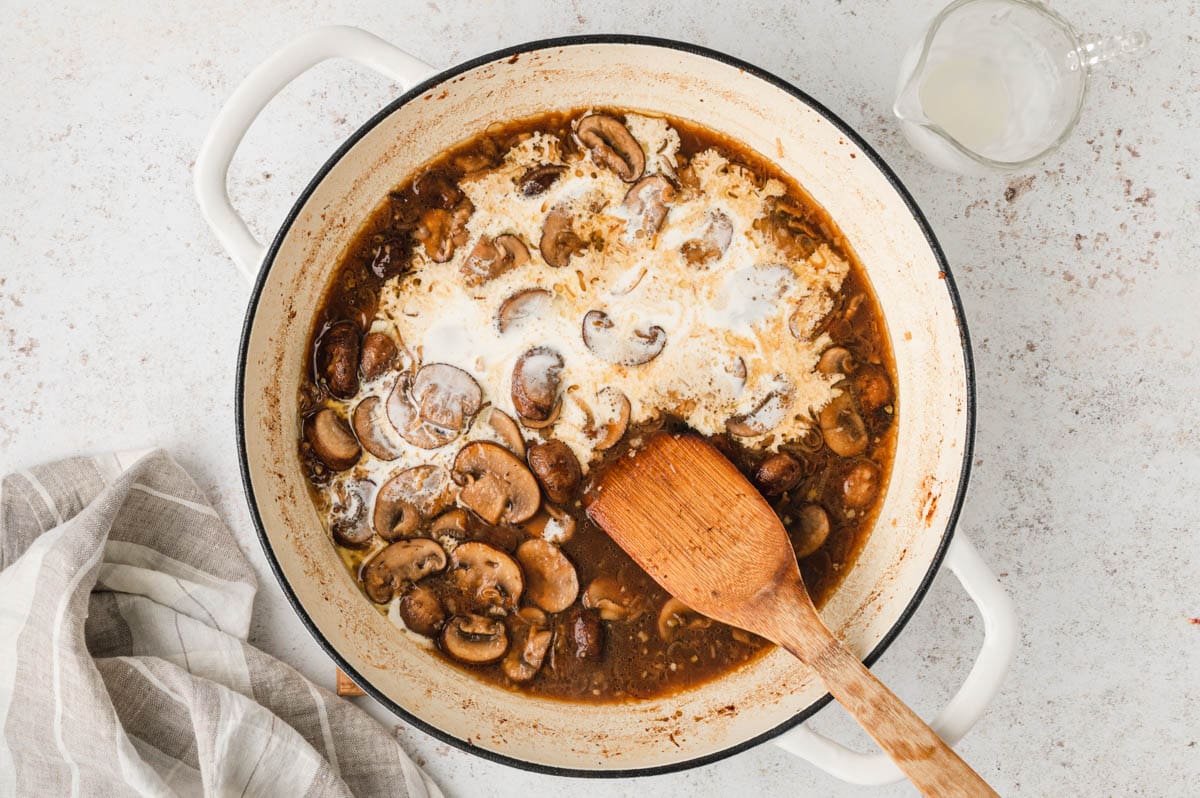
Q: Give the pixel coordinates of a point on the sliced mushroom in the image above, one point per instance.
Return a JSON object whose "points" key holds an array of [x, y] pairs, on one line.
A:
{"points": [[580, 634], [538, 179], [557, 469], [378, 355], [529, 303], [531, 639], [490, 259], [434, 408], [550, 579], [447, 395], [337, 359], [400, 564], [485, 578], [836, 360], [453, 523], [422, 610], [872, 388], [612, 145], [609, 433], [646, 202], [374, 431], [611, 600], [496, 485], [331, 440], [552, 523], [736, 369], [712, 243], [348, 515], [842, 426], [535, 383], [410, 497], [559, 241], [499, 424], [811, 530], [675, 617], [405, 416], [778, 473], [632, 348], [766, 414], [860, 485], [442, 231], [474, 639], [437, 190]]}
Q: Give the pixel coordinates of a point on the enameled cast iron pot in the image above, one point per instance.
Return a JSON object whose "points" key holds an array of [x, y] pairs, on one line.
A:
{"points": [[904, 263]]}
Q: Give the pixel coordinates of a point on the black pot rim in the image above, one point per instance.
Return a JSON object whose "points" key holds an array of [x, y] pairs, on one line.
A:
{"points": [[562, 42]]}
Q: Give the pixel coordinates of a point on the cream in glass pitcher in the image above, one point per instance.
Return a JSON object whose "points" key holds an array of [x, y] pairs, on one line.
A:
{"points": [[998, 84]]}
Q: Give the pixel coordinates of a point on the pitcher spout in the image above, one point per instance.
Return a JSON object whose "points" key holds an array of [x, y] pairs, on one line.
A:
{"points": [[908, 107]]}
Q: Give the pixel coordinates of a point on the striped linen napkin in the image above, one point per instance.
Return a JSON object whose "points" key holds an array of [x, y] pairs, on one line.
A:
{"points": [[124, 667]]}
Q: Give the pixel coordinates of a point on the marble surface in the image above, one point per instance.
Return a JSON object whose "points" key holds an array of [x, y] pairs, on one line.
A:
{"points": [[120, 316]]}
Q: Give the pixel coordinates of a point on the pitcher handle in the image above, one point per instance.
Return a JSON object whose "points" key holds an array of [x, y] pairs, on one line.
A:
{"points": [[1095, 50]]}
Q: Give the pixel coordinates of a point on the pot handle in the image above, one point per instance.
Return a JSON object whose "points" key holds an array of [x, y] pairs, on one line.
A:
{"points": [[968, 704], [247, 101]]}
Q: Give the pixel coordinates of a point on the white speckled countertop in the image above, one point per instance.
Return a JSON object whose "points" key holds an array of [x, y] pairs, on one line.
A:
{"points": [[120, 316]]}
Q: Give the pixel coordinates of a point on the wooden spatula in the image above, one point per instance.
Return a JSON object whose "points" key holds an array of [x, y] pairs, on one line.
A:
{"points": [[701, 530]]}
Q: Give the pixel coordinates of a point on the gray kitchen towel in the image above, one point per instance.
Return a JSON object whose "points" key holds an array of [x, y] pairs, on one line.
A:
{"points": [[124, 667]]}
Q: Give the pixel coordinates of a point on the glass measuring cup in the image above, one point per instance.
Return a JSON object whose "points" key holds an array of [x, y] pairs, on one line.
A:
{"points": [[998, 84]]}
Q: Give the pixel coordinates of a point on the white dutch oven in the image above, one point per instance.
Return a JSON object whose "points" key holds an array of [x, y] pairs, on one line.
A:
{"points": [[912, 537]]}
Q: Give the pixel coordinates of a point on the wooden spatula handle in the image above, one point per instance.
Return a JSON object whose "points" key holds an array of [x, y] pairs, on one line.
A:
{"points": [[932, 766]]}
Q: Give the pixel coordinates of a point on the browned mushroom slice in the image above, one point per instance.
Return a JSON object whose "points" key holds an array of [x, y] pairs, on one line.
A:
{"points": [[374, 431], [860, 485], [612, 145], [736, 369], [551, 580], [613, 407], [378, 355], [446, 395], [609, 597], [474, 639], [580, 634], [552, 523], [778, 473], [331, 440], [485, 579], [496, 485], [559, 241], [712, 243], [646, 202], [766, 414], [410, 497], [401, 564], [538, 179], [452, 523], [535, 382], [338, 352], [490, 259], [557, 468], [530, 303], [437, 190], [422, 611], [442, 231], [404, 415], [811, 530], [842, 426], [675, 617], [348, 515], [621, 348], [836, 360], [531, 638], [872, 388], [505, 430]]}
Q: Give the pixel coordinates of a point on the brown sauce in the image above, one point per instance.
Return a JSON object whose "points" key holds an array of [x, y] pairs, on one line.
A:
{"points": [[645, 653]]}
